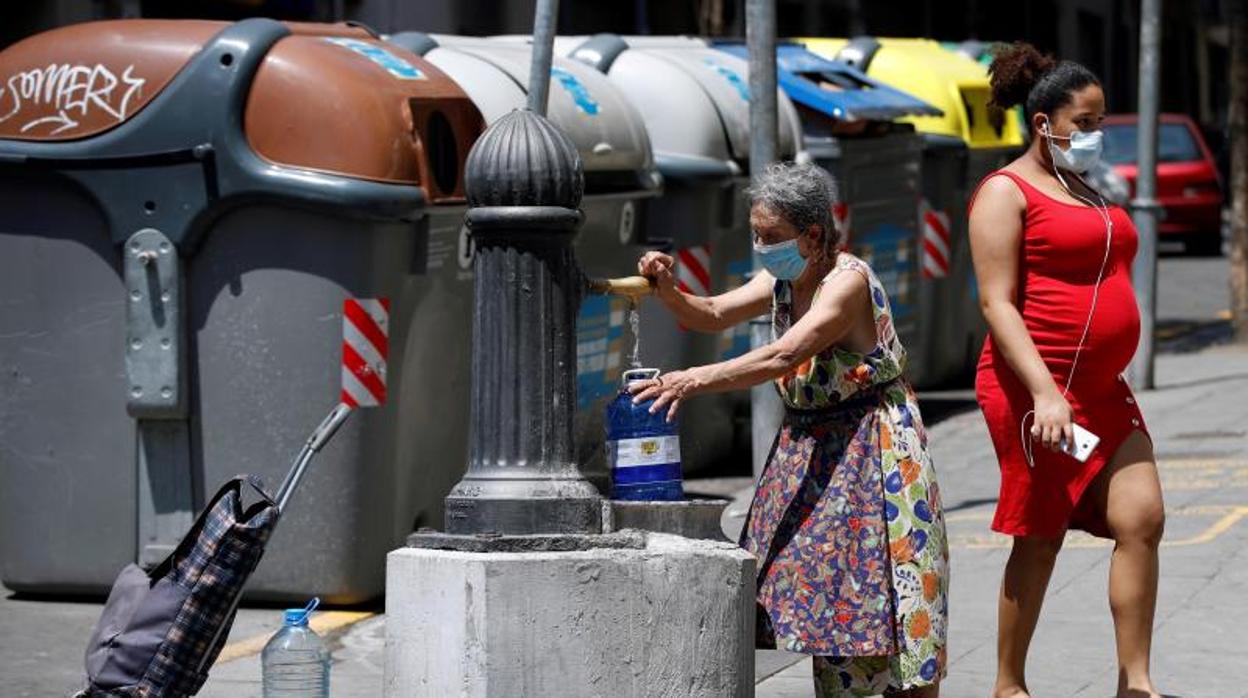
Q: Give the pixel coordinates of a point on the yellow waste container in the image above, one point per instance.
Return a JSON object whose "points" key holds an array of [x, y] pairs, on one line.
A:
{"points": [[946, 79]]}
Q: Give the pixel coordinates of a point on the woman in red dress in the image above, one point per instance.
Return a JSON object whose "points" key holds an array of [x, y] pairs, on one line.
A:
{"points": [[1053, 263]]}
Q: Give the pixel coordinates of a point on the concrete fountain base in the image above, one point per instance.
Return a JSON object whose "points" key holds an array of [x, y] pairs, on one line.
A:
{"points": [[670, 616]]}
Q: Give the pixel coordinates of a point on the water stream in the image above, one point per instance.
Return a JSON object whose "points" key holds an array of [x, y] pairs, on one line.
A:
{"points": [[634, 326]]}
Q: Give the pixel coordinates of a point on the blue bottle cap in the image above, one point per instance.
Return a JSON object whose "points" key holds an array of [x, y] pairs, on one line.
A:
{"points": [[299, 616], [634, 375]]}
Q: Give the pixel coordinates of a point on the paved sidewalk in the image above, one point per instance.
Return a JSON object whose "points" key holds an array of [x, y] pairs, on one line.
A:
{"points": [[1199, 419]]}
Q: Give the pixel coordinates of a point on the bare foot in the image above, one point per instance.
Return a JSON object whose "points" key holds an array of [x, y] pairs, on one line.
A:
{"points": [[1012, 692]]}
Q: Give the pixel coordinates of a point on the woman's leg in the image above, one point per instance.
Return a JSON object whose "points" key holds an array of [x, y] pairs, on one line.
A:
{"points": [[1135, 516], [1018, 608]]}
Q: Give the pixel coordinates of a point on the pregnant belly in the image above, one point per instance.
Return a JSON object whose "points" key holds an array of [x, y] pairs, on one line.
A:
{"points": [[1057, 323]]}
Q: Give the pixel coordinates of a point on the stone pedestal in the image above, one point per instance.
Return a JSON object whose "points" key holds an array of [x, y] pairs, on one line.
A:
{"points": [[673, 617], [691, 518]]}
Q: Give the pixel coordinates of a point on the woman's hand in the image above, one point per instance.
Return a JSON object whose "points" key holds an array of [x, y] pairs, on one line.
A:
{"points": [[668, 390], [1053, 422], [658, 266]]}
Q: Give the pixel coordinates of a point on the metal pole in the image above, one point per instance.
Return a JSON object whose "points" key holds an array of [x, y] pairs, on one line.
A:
{"points": [[1144, 206], [544, 24], [760, 37], [328, 427], [1237, 17]]}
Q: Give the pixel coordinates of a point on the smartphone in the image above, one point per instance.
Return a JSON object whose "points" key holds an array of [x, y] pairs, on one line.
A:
{"points": [[1085, 443]]}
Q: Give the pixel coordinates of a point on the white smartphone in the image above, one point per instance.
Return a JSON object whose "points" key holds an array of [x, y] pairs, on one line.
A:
{"points": [[1085, 443]]}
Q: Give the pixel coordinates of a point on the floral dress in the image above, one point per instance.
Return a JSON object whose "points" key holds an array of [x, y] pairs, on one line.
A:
{"points": [[847, 521]]}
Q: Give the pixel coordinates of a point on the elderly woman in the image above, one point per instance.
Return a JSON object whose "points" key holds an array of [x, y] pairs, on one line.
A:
{"points": [[846, 520]]}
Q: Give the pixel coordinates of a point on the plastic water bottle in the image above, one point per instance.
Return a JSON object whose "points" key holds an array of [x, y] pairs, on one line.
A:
{"points": [[643, 449], [295, 661]]}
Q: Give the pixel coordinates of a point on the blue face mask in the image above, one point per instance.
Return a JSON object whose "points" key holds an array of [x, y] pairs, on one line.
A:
{"points": [[781, 260], [1082, 155]]}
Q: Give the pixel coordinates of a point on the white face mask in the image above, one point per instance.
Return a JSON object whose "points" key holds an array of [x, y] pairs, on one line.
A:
{"points": [[1082, 155]]}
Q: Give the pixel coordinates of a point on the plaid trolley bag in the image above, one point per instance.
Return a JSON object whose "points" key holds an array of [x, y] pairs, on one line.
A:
{"points": [[160, 631]]}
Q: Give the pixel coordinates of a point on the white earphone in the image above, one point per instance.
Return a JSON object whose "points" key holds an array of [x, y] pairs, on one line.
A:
{"points": [[1103, 210]]}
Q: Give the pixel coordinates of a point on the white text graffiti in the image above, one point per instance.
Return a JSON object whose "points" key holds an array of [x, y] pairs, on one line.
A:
{"points": [[73, 91]]}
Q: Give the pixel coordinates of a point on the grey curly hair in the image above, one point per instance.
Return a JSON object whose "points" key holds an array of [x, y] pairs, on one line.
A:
{"points": [[804, 195]]}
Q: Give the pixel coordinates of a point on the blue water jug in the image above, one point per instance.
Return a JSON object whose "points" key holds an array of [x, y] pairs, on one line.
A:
{"points": [[643, 449]]}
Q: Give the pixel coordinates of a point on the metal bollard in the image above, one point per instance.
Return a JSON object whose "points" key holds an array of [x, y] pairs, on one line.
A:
{"points": [[524, 183]]}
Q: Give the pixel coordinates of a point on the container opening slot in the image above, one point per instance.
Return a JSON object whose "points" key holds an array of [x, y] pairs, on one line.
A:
{"points": [[443, 152], [836, 82]]}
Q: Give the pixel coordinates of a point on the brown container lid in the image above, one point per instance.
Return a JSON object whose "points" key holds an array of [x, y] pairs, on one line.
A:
{"points": [[82, 80], [355, 106]]}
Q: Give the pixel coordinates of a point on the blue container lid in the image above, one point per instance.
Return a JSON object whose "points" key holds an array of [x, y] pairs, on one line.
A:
{"points": [[849, 96]]}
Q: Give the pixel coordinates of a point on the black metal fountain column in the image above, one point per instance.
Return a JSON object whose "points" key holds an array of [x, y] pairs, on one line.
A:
{"points": [[524, 183]]}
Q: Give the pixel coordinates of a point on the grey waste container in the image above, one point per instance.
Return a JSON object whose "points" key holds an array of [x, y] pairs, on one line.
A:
{"points": [[184, 207], [847, 122], [620, 184], [703, 216]]}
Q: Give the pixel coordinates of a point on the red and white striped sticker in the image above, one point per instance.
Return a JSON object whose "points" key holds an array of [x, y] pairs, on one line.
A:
{"points": [[840, 216], [693, 270], [936, 241], [365, 345]]}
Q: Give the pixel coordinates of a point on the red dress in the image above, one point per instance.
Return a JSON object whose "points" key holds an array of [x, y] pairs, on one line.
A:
{"points": [[1062, 249]]}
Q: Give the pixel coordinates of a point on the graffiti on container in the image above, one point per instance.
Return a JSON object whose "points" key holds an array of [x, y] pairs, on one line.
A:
{"points": [[389, 62], [72, 91], [735, 80], [576, 90]]}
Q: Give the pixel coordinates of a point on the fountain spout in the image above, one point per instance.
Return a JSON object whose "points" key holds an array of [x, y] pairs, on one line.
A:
{"points": [[631, 287]]}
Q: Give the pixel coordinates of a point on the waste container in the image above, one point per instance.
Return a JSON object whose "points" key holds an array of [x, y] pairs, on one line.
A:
{"points": [[847, 119], [620, 183], [702, 219], [967, 141], [184, 207]]}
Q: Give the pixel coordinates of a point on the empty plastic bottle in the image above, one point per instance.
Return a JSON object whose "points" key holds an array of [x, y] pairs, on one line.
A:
{"points": [[295, 661], [643, 449]]}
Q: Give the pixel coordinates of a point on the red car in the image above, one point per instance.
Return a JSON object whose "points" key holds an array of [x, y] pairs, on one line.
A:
{"points": [[1188, 186]]}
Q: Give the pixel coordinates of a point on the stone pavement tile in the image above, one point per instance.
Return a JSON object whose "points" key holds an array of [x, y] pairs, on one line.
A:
{"points": [[768, 663], [1078, 574], [967, 684], [1070, 654], [972, 674], [795, 682], [1199, 648], [42, 643], [1203, 656]]}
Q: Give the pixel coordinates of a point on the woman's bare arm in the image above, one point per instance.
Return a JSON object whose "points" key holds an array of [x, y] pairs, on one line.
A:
{"points": [[996, 229], [707, 313], [830, 318]]}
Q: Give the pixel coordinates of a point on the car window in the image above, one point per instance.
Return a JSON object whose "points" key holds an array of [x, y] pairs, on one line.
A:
{"points": [[1174, 144]]}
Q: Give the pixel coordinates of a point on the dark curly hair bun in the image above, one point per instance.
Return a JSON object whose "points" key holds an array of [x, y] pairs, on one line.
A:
{"points": [[1015, 70]]}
